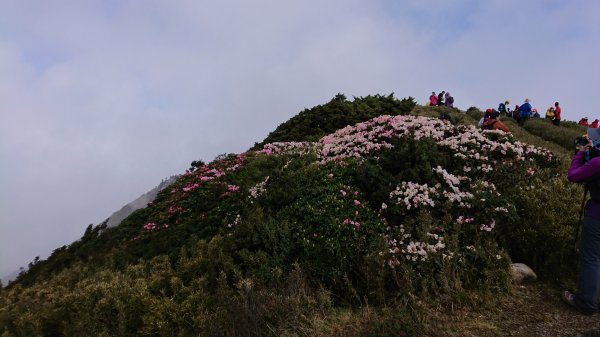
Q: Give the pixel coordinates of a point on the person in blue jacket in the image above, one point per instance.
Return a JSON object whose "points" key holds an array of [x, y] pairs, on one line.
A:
{"points": [[524, 112]]}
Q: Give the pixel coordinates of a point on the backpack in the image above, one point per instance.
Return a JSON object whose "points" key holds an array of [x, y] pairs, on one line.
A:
{"points": [[502, 107], [450, 100]]}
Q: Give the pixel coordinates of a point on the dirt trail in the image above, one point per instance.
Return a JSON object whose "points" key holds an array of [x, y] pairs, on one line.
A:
{"points": [[533, 311]]}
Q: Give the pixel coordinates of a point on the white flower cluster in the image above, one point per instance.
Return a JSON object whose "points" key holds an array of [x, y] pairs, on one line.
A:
{"points": [[488, 226], [501, 209], [455, 195], [235, 222], [297, 148], [467, 142], [416, 251], [413, 195], [373, 135], [258, 189]]}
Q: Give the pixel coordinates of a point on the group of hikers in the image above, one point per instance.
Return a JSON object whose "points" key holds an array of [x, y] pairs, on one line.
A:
{"points": [[521, 114], [491, 118], [442, 99], [584, 122], [525, 111], [585, 168]]}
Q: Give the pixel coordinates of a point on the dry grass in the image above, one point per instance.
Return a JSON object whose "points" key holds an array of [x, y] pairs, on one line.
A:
{"points": [[533, 310]]}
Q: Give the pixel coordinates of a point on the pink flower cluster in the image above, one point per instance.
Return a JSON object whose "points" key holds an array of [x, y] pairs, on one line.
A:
{"points": [[346, 192], [191, 187], [356, 224], [175, 209], [464, 219], [151, 227], [212, 171]]}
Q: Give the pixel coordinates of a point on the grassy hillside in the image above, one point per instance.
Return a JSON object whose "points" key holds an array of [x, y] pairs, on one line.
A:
{"points": [[344, 213]]}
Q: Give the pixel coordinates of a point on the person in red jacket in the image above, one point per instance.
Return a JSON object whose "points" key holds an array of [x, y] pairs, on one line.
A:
{"points": [[433, 99], [584, 121], [556, 120], [594, 124]]}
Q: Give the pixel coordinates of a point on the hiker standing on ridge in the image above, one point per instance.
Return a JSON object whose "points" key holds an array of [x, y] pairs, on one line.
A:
{"points": [[440, 98], [556, 120], [433, 99], [524, 112], [502, 107], [449, 100], [550, 113], [585, 299], [584, 121]]}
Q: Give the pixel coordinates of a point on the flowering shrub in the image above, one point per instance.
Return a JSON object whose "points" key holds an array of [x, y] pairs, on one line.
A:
{"points": [[467, 142], [298, 148], [443, 211]]}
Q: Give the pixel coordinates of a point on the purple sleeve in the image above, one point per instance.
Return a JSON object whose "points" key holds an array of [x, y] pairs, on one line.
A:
{"points": [[580, 171]]}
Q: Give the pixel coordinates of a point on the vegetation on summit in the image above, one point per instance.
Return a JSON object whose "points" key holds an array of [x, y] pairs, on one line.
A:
{"points": [[372, 203]]}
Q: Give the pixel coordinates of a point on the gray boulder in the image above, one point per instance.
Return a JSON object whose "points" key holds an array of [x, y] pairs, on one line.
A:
{"points": [[521, 272]]}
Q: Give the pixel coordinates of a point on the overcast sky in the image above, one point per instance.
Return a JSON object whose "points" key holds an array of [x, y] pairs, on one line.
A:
{"points": [[101, 99]]}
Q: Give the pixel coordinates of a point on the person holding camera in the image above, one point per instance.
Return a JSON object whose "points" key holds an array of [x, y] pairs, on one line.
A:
{"points": [[585, 168]]}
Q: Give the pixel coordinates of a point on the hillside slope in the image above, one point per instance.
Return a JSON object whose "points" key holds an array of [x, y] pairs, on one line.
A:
{"points": [[396, 214]]}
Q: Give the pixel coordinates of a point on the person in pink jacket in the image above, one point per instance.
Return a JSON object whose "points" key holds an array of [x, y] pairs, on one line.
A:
{"points": [[585, 169], [433, 99]]}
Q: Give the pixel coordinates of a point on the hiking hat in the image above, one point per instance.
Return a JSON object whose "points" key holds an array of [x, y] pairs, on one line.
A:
{"points": [[594, 133]]}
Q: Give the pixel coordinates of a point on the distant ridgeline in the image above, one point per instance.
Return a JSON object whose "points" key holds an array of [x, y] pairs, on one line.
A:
{"points": [[140, 202], [374, 200]]}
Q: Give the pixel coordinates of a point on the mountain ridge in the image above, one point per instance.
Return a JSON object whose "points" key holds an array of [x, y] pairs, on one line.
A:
{"points": [[140, 202], [399, 209]]}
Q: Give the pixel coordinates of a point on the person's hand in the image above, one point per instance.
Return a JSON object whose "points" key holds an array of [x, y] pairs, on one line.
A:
{"points": [[587, 145]]}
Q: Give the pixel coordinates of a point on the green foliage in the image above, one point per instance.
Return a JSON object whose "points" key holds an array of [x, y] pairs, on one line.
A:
{"points": [[544, 236], [563, 135], [312, 124]]}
